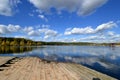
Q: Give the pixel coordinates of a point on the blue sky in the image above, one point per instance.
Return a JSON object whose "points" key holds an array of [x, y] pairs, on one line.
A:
{"points": [[61, 20]]}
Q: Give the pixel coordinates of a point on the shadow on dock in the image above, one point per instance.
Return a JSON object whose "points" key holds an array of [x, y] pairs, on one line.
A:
{"points": [[96, 79]]}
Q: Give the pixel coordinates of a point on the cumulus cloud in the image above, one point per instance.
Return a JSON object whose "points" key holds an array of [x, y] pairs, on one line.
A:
{"points": [[42, 30], [81, 7], [33, 33], [94, 38], [90, 30], [28, 29], [29, 32], [43, 17], [13, 28], [4, 29], [99, 34], [105, 26], [107, 37], [48, 33], [114, 38], [86, 30], [111, 33], [89, 6], [7, 7]]}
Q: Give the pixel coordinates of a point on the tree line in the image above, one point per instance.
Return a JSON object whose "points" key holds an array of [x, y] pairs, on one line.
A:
{"points": [[14, 49], [4, 41], [17, 42]]}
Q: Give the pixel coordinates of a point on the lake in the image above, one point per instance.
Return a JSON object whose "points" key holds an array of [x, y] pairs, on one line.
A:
{"points": [[104, 59]]}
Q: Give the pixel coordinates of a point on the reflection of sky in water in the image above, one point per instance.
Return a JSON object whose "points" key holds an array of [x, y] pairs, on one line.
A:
{"points": [[103, 59]]}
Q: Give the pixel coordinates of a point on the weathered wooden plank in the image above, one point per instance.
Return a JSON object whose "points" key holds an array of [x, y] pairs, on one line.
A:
{"points": [[32, 68], [4, 59], [14, 72]]}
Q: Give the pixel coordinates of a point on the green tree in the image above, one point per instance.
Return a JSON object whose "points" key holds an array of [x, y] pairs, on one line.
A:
{"points": [[22, 43], [29, 43], [3, 43], [7, 43], [39, 43]]}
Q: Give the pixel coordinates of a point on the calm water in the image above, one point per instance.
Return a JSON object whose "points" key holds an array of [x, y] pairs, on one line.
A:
{"points": [[100, 58]]}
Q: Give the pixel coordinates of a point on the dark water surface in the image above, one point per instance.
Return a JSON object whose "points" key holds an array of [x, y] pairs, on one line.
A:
{"points": [[101, 58]]}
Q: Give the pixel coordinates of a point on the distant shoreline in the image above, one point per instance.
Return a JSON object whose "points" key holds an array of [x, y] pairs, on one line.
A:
{"points": [[5, 41]]}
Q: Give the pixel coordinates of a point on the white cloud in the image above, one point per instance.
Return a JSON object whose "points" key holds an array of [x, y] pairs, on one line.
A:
{"points": [[111, 33], [28, 29], [51, 32], [43, 17], [39, 31], [102, 38], [33, 33], [20, 36], [92, 38], [81, 7], [115, 36], [90, 30], [86, 30], [13, 28], [105, 26], [4, 29], [48, 33], [7, 6], [89, 6]]}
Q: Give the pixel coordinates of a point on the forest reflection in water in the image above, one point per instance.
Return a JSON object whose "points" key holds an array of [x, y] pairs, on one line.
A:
{"points": [[14, 49]]}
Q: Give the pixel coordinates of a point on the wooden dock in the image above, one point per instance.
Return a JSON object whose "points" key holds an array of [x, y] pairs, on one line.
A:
{"points": [[3, 60], [32, 68]]}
